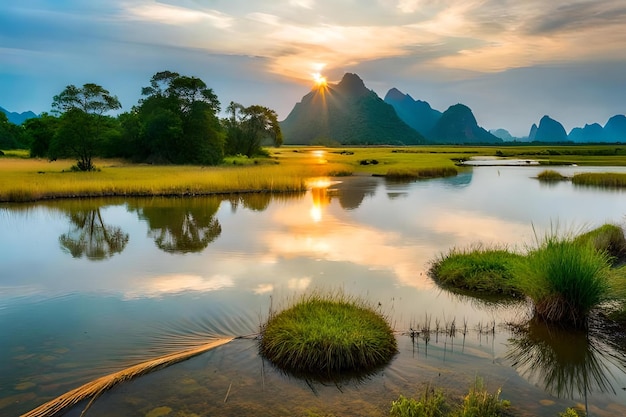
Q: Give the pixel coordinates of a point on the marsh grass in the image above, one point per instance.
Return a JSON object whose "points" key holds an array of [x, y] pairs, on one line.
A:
{"points": [[478, 402], [485, 270], [323, 336], [550, 175], [565, 279], [600, 179], [606, 238], [28, 180], [423, 173], [430, 403]]}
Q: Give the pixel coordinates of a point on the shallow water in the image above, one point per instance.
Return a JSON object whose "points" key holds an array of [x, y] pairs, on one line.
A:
{"points": [[88, 287]]}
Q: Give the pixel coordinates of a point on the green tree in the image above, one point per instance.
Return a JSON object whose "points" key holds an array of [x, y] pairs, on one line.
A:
{"points": [[40, 132], [83, 126], [248, 128], [11, 135], [178, 121]]}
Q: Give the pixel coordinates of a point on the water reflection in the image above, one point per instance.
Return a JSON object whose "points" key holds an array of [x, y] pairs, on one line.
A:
{"points": [[91, 237], [566, 363], [180, 225]]}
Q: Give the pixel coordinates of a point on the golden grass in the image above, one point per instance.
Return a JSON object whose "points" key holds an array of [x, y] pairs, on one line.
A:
{"points": [[95, 388], [286, 170]]}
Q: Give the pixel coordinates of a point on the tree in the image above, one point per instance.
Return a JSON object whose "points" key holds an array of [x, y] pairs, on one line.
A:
{"points": [[11, 135], [40, 132], [83, 127], [248, 128], [178, 121]]}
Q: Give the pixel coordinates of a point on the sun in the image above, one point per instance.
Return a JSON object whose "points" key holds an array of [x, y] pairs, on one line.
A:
{"points": [[320, 80]]}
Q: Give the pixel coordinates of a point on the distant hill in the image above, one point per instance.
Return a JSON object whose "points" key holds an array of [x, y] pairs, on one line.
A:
{"points": [[347, 113], [615, 129], [549, 130], [458, 125], [503, 134], [18, 118], [590, 133], [416, 113]]}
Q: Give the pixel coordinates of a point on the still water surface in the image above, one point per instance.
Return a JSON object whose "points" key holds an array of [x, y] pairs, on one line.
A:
{"points": [[90, 286]]}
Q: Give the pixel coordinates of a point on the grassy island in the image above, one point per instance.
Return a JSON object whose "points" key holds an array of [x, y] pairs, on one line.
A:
{"points": [[326, 336], [565, 277]]}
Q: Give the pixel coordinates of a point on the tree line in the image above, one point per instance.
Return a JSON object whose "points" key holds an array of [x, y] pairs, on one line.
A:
{"points": [[175, 122]]}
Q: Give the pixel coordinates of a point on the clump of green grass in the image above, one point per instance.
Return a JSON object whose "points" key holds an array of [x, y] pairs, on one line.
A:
{"points": [[565, 279], [600, 179], [431, 403], [326, 335], [606, 238], [422, 173], [478, 269], [570, 412], [550, 175], [480, 403]]}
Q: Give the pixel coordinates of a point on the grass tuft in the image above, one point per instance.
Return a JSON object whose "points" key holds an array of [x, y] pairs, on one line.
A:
{"points": [[325, 335], [478, 269], [607, 238], [565, 279], [480, 403], [431, 403], [550, 175]]}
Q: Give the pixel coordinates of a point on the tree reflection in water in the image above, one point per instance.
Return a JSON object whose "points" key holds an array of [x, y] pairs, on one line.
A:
{"points": [[91, 237], [567, 363], [181, 225]]}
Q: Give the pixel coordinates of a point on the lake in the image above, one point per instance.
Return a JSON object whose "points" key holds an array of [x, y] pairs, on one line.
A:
{"points": [[88, 287]]}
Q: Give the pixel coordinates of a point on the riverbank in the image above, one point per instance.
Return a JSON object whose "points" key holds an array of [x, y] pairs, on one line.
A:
{"points": [[287, 169]]}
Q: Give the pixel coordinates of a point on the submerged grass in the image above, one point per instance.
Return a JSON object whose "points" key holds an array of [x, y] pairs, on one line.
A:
{"points": [[325, 335], [423, 173]]}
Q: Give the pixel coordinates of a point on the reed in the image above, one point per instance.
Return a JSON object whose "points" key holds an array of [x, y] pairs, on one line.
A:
{"points": [[325, 335], [95, 388], [421, 173], [550, 175], [600, 179], [565, 279], [484, 270]]}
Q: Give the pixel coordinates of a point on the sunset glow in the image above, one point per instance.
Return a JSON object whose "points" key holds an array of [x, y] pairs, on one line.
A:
{"points": [[320, 80]]}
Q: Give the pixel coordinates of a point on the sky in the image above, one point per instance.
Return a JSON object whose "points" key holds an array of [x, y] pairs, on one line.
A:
{"points": [[510, 61]]}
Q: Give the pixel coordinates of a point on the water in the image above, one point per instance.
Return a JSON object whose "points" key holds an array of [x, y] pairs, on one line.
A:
{"points": [[88, 287]]}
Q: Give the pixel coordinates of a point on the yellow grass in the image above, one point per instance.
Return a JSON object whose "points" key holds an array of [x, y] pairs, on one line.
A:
{"points": [[95, 388], [286, 170]]}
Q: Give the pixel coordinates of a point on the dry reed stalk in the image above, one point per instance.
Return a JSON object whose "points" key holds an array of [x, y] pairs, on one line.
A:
{"points": [[96, 387]]}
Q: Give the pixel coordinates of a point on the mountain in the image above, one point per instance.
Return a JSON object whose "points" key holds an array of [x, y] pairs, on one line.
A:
{"points": [[347, 113], [18, 118], [590, 133], [549, 130], [416, 113], [615, 129], [503, 134], [458, 125]]}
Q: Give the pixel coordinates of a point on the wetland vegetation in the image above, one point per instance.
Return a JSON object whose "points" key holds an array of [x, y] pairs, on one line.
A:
{"points": [[284, 169]]}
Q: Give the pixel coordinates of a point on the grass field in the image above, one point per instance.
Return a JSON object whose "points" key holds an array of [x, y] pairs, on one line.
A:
{"points": [[285, 170]]}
